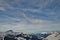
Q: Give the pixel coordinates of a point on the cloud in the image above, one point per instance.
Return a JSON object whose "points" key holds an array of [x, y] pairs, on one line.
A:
{"points": [[5, 27], [34, 26], [29, 15], [2, 9]]}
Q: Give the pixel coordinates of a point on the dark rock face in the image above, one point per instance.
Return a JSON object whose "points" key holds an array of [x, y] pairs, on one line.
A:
{"points": [[7, 38]]}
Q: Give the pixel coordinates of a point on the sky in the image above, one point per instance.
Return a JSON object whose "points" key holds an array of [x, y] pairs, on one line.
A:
{"points": [[29, 15]]}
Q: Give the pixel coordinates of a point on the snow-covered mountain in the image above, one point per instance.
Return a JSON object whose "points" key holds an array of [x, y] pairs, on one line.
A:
{"points": [[53, 36]]}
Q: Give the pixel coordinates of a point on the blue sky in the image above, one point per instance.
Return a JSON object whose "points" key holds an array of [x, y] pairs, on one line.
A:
{"points": [[30, 15]]}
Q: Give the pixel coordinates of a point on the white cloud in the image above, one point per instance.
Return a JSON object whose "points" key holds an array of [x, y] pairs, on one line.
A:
{"points": [[26, 23], [4, 5], [2, 9], [5, 27], [34, 25], [41, 26]]}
